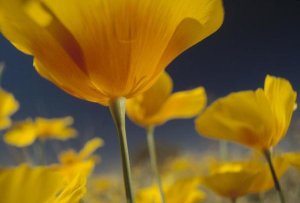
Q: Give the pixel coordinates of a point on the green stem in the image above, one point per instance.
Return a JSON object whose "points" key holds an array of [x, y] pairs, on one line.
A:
{"points": [[153, 161], [1, 71], [268, 156], [223, 147], [117, 109]]}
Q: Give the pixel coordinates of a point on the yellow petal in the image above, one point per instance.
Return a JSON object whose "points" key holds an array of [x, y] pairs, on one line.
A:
{"points": [[17, 184], [184, 190], [71, 170], [101, 50], [57, 56], [231, 184], [90, 147], [8, 106], [73, 192], [244, 117], [293, 158], [264, 180], [21, 135], [55, 128], [195, 28], [283, 101], [184, 104], [149, 103]]}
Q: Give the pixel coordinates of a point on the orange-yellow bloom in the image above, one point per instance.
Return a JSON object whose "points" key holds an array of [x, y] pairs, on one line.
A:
{"points": [[8, 106], [103, 50], [239, 178], [24, 133], [157, 105], [257, 119], [40, 184]]}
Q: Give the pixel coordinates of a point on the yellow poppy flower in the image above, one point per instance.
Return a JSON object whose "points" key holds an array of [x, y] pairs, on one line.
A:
{"points": [[257, 119], [157, 105], [238, 178], [181, 191], [103, 50], [24, 133], [72, 163], [35, 185], [8, 106]]}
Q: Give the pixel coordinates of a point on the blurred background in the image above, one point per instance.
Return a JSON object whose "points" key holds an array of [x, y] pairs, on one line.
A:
{"points": [[257, 38]]}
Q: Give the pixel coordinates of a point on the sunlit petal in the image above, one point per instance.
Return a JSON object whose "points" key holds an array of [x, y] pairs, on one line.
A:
{"points": [[243, 117]]}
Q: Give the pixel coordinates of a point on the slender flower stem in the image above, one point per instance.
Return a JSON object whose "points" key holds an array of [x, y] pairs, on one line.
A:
{"points": [[153, 161], [267, 154], [223, 147], [117, 109]]}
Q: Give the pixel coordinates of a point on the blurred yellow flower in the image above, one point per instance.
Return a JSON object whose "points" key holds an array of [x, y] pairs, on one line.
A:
{"points": [[103, 50], [180, 191], [55, 128], [36, 185], [257, 119], [8, 106], [83, 162], [238, 178], [24, 133], [157, 105], [293, 158], [106, 188]]}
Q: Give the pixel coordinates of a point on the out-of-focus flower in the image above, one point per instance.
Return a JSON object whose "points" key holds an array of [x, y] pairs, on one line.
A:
{"points": [[257, 119], [103, 50], [83, 162], [157, 105], [24, 133], [264, 181], [293, 158], [8, 106], [35, 185], [238, 178], [180, 191], [73, 191], [106, 188], [56, 128]]}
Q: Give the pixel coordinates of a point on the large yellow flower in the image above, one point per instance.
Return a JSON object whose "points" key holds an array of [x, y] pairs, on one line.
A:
{"points": [[8, 106], [39, 185], [24, 133], [100, 50], [257, 119], [157, 105]]}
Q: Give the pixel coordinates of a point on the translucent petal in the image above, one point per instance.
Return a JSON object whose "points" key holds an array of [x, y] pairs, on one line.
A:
{"points": [[244, 117]]}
